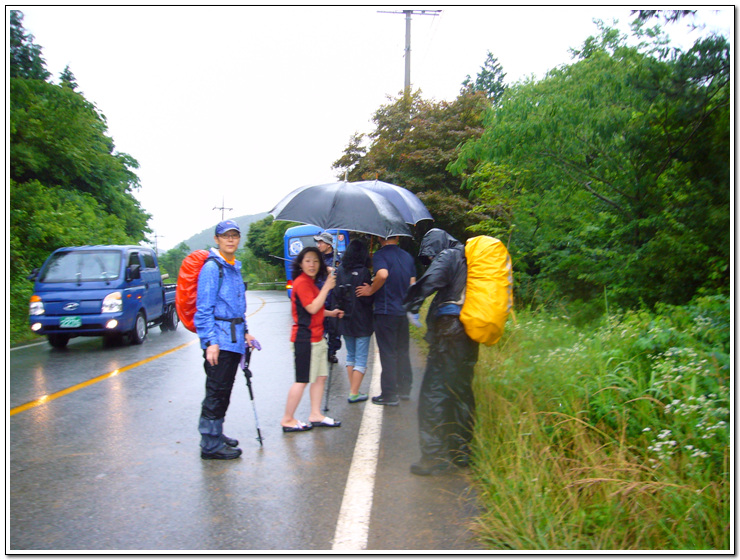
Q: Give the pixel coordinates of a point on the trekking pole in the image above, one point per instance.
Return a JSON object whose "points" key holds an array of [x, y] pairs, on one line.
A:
{"points": [[328, 387], [248, 374]]}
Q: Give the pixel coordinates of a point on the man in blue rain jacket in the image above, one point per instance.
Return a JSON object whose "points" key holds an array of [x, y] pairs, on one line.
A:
{"points": [[220, 321]]}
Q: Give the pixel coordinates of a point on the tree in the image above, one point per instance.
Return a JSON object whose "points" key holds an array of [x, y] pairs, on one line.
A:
{"points": [[615, 170], [68, 185], [353, 154], [67, 78], [668, 16], [25, 56], [265, 238], [58, 138], [413, 143], [256, 271], [171, 260], [490, 79]]}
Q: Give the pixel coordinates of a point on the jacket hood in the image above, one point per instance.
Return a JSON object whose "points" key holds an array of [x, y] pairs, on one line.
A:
{"points": [[434, 242]]}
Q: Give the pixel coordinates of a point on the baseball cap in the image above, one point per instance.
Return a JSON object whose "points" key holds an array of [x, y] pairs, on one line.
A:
{"points": [[324, 236], [227, 225]]}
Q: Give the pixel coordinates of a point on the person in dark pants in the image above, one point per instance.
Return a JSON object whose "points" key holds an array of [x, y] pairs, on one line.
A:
{"points": [[220, 321], [324, 242], [357, 324], [446, 400], [394, 273]]}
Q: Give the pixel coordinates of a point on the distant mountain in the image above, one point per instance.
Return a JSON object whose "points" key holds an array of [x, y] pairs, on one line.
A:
{"points": [[204, 239]]}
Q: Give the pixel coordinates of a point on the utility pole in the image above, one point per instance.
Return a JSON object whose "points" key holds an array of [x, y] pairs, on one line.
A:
{"points": [[156, 251], [407, 50], [222, 208]]}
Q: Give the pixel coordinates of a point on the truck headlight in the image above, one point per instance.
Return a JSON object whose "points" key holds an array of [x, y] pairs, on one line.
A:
{"points": [[36, 306], [113, 303]]}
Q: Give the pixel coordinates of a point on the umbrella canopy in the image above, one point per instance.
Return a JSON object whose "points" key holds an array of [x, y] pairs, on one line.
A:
{"points": [[342, 205], [407, 203]]}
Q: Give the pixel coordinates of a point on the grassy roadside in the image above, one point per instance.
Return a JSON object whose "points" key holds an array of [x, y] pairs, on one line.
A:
{"points": [[613, 437], [608, 437]]}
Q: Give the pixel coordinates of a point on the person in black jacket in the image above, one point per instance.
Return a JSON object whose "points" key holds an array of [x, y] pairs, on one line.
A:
{"points": [[446, 401], [325, 243], [357, 324]]}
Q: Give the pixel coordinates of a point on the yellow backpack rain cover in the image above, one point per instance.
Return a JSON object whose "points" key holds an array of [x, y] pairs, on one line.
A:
{"points": [[488, 290]]}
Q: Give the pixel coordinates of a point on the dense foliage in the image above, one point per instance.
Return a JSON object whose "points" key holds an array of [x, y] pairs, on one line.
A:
{"points": [[68, 185], [413, 143], [170, 261], [609, 178], [611, 437], [613, 173]]}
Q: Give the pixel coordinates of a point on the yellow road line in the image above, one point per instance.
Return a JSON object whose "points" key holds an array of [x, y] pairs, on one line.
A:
{"points": [[47, 398], [260, 307]]}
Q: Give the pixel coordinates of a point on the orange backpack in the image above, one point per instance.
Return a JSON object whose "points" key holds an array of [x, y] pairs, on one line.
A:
{"points": [[187, 285]]}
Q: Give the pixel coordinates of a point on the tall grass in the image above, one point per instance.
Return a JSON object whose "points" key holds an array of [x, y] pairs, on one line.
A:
{"points": [[609, 438]]}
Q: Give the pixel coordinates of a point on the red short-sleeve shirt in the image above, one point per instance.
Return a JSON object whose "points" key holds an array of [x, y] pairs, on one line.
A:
{"points": [[305, 325]]}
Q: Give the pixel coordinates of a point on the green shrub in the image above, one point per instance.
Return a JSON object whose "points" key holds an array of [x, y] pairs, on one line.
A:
{"points": [[613, 437]]}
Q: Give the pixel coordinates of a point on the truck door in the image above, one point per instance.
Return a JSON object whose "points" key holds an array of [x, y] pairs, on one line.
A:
{"points": [[152, 278], [135, 290]]}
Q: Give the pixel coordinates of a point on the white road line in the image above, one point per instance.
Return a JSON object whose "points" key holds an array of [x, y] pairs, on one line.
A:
{"points": [[354, 516], [28, 345]]}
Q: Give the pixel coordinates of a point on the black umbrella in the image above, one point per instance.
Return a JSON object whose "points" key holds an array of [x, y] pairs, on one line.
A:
{"points": [[407, 203], [342, 205]]}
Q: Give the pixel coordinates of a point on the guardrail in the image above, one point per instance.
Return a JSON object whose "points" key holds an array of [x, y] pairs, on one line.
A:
{"points": [[276, 285]]}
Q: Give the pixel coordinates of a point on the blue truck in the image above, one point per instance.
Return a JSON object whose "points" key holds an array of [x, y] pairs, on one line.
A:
{"points": [[298, 237], [113, 291]]}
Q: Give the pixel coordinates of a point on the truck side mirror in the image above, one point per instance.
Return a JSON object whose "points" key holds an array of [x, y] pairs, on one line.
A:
{"points": [[34, 274], [133, 272]]}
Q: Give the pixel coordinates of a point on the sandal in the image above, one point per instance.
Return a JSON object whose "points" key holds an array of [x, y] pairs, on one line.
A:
{"points": [[300, 427], [327, 423]]}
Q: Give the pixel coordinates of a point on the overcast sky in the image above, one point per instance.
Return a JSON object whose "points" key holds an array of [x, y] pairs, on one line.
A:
{"points": [[245, 104]]}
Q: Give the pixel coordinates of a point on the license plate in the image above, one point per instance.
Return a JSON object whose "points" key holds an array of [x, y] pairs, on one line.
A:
{"points": [[70, 322]]}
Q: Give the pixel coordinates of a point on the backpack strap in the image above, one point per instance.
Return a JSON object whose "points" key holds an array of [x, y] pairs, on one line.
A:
{"points": [[220, 271], [234, 322]]}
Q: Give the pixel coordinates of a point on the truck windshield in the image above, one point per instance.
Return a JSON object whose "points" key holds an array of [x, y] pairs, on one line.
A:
{"points": [[82, 266], [297, 243]]}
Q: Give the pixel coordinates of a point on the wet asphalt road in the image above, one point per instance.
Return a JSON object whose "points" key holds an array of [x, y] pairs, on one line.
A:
{"points": [[114, 464]]}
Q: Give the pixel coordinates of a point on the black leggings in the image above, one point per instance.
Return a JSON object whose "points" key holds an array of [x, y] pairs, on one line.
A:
{"points": [[219, 382]]}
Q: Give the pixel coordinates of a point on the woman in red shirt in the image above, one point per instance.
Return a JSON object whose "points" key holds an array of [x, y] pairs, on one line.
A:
{"points": [[307, 336]]}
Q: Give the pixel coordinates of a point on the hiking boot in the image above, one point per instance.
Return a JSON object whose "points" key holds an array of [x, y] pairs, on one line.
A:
{"points": [[229, 441], [224, 453], [380, 399], [427, 467]]}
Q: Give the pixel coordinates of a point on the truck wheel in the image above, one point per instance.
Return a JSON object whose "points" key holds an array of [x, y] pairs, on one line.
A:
{"points": [[171, 320], [58, 340], [138, 335]]}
